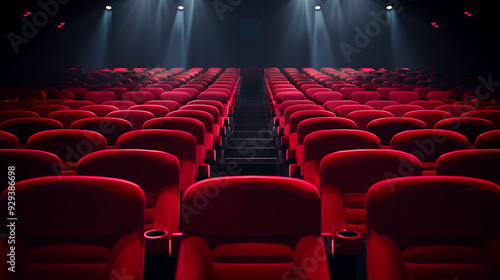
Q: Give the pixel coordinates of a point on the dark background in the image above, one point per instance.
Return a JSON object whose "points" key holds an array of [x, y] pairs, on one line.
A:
{"points": [[255, 33]]}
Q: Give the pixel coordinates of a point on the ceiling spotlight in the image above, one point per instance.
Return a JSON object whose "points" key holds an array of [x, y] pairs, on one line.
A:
{"points": [[180, 8], [109, 8], [389, 7], [317, 8]]}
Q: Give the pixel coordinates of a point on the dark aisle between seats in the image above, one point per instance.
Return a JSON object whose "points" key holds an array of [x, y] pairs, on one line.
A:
{"points": [[251, 148]]}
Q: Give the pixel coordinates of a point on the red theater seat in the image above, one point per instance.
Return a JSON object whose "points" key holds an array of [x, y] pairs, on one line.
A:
{"points": [[136, 118], [491, 115], [138, 97], [287, 96], [212, 110], [401, 110], [440, 95], [23, 128], [110, 128], [332, 105], [322, 97], [429, 117], [120, 104], [471, 128], [403, 97], [480, 163], [157, 110], [212, 137], [347, 91], [156, 172], [15, 114], [381, 104], [344, 110], [29, 164], [346, 176], [68, 117], [255, 228], [308, 126], [285, 119], [455, 110], [180, 97], [189, 125], [363, 97], [70, 145], [433, 227], [363, 118], [321, 143], [488, 140], [299, 116], [78, 228], [386, 128], [118, 91], [281, 111], [8, 141], [428, 104], [429, 144], [170, 105], [76, 104], [99, 110], [178, 143], [156, 91], [99, 97], [44, 110]]}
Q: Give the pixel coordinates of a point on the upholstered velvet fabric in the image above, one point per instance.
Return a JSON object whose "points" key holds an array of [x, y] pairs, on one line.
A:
{"points": [[251, 227], [321, 143], [480, 163], [433, 227], [77, 228], [178, 143], [346, 176], [156, 172], [23, 128]]}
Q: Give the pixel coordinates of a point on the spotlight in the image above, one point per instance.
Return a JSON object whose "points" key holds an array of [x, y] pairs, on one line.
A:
{"points": [[109, 8], [389, 7], [180, 8], [317, 8]]}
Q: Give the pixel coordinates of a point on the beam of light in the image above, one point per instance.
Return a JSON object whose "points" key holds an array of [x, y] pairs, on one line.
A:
{"points": [[95, 53], [294, 36], [178, 48], [320, 48], [405, 50]]}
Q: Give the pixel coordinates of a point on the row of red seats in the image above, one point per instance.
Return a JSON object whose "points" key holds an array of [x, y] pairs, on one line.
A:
{"points": [[57, 91], [277, 235], [191, 132], [179, 89], [321, 88], [261, 227]]}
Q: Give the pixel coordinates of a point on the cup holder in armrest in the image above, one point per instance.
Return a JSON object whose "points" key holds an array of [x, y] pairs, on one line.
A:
{"points": [[347, 242], [157, 242]]}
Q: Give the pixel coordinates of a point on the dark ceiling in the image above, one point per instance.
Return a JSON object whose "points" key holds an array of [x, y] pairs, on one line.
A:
{"points": [[252, 33]]}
